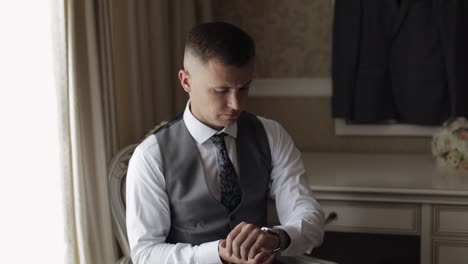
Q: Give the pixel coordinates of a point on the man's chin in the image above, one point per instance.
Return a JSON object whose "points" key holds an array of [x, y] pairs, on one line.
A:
{"points": [[228, 122]]}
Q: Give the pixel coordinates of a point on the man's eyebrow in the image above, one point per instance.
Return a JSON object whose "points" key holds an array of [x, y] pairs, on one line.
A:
{"points": [[227, 87], [219, 87]]}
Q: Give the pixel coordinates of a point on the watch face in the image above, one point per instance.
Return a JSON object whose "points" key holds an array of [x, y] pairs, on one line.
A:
{"points": [[275, 233], [282, 235]]}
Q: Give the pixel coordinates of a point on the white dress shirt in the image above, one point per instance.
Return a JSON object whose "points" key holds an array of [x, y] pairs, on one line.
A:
{"points": [[148, 211]]}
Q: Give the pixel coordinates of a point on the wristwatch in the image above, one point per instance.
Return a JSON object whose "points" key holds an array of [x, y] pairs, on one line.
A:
{"points": [[283, 237]]}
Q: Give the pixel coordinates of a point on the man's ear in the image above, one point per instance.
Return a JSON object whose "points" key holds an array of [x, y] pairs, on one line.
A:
{"points": [[184, 78]]}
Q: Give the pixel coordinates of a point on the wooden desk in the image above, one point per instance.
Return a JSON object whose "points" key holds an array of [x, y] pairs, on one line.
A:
{"points": [[394, 194]]}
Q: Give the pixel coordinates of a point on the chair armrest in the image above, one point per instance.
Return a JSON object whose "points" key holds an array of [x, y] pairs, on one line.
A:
{"points": [[124, 260]]}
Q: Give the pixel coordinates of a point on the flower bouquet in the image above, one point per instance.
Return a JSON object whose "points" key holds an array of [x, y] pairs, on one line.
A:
{"points": [[450, 146]]}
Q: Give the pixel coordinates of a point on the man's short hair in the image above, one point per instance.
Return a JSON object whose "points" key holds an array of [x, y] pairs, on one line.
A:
{"points": [[225, 42]]}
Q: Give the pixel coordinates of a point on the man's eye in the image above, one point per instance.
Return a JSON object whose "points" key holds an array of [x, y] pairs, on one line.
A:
{"points": [[221, 91]]}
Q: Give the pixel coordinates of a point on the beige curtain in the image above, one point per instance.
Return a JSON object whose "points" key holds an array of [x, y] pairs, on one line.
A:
{"points": [[87, 127], [149, 38], [117, 71]]}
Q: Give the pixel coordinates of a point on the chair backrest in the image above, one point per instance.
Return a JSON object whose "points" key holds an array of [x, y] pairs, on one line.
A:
{"points": [[117, 178]]}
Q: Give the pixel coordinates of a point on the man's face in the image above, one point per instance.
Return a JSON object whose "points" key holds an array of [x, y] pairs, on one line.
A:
{"points": [[218, 92]]}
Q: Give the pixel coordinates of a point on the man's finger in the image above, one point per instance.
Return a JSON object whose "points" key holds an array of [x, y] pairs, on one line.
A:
{"points": [[231, 236], [257, 246], [261, 257], [238, 242], [222, 243], [248, 242]]}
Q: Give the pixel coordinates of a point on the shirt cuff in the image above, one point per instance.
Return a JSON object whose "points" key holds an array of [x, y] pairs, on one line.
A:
{"points": [[208, 253]]}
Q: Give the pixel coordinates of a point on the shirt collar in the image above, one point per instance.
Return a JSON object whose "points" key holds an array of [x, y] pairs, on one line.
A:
{"points": [[201, 132]]}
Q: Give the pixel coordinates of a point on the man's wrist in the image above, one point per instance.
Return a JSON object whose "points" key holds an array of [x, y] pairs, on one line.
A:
{"points": [[283, 238]]}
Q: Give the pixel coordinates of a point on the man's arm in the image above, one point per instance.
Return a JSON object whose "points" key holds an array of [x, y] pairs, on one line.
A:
{"points": [[148, 214], [299, 213], [301, 216]]}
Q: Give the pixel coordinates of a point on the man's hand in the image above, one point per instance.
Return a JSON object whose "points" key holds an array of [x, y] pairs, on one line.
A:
{"points": [[245, 241], [260, 258]]}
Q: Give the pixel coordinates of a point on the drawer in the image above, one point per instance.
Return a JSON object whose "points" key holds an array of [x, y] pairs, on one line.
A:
{"points": [[450, 252], [450, 220], [371, 217]]}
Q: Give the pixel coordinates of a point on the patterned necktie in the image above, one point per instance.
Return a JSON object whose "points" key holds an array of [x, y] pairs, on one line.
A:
{"points": [[231, 192]]}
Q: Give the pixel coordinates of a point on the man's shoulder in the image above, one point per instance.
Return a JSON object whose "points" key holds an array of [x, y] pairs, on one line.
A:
{"points": [[167, 125], [268, 124], [263, 120], [267, 121], [148, 145]]}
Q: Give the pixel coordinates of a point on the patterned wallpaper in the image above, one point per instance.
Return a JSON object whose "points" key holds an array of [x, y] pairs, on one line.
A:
{"points": [[293, 36], [294, 41]]}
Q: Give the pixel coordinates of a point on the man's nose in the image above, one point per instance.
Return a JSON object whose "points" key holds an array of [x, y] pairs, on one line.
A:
{"points": [[233, 101]]}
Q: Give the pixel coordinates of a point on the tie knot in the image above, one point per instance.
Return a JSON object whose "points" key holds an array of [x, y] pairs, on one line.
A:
{"points": [[218, 139]]}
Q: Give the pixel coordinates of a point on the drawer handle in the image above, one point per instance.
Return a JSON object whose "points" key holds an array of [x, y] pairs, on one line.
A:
{"points": [[331, 217]]}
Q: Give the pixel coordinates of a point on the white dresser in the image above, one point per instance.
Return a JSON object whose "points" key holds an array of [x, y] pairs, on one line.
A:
{"points": [[394, 194]]}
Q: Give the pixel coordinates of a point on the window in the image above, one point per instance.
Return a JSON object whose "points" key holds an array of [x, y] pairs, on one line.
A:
{"points": [[31, 225]]}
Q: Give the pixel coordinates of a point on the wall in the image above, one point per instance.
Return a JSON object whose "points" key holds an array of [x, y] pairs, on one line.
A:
{"points": [[294, 41]]}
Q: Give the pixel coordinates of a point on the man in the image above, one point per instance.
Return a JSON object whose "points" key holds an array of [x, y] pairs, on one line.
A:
{"points": [[197, 189]]}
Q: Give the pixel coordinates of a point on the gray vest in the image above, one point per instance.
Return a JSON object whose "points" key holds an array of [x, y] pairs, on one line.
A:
{"points": [[196, 216]]}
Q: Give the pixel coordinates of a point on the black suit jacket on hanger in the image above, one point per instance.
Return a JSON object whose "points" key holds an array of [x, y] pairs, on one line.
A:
{"points": [[400, 59]]}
